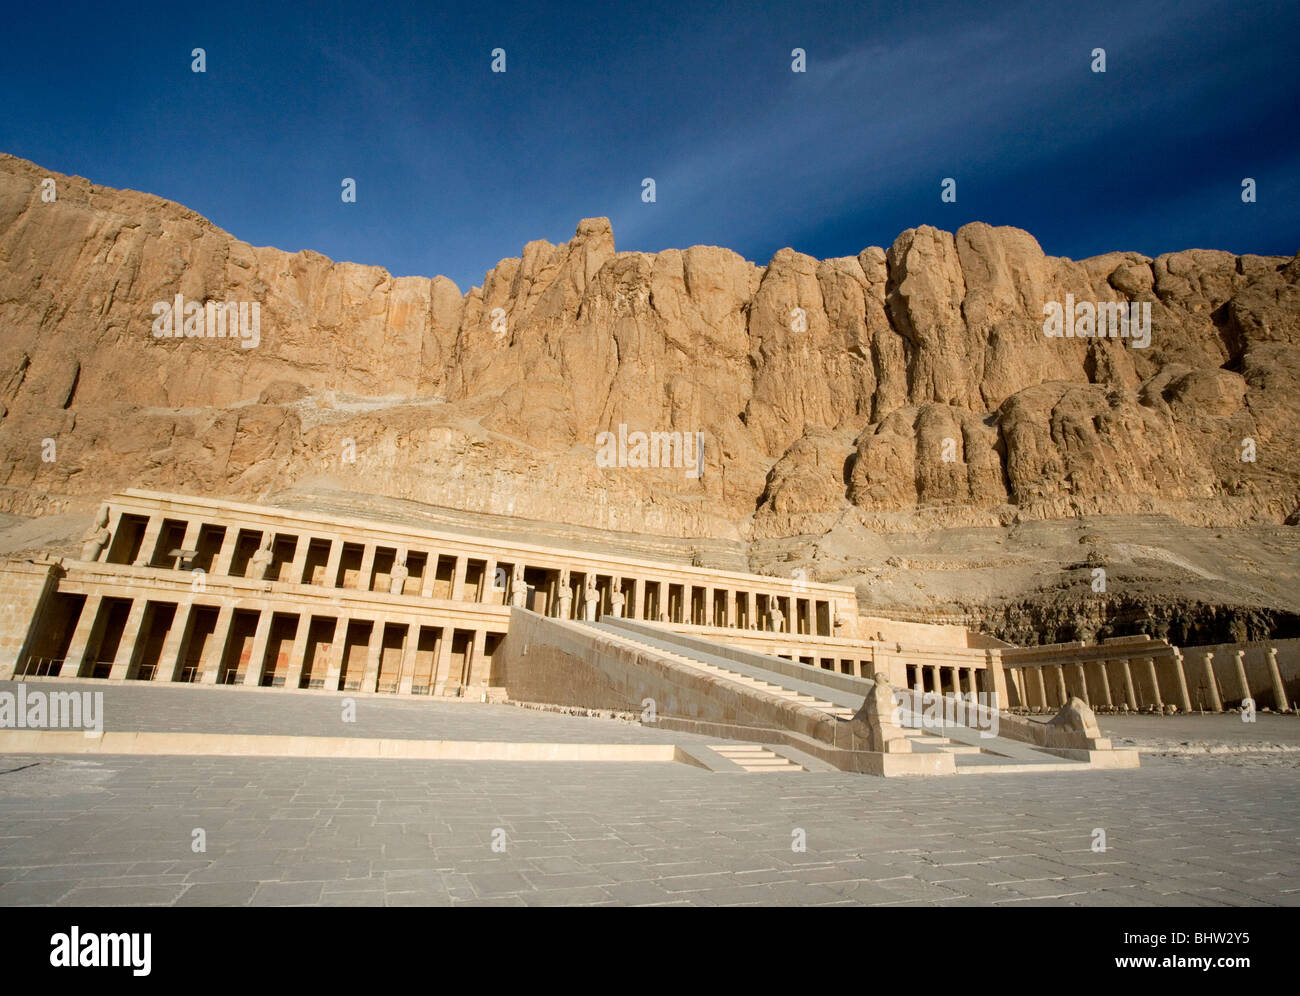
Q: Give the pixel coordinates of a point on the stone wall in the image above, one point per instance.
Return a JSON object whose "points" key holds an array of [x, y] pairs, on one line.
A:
{"points": [[25, 587]]}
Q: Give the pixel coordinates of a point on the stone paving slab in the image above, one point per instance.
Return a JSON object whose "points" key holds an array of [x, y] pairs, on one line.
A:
{"points": [[119, 830], [174, 708]]}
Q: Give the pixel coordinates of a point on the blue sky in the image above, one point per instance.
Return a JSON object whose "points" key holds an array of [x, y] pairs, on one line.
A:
{"points": [[457, 167]]}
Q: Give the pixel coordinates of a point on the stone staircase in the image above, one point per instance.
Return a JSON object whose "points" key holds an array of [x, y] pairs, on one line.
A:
{"points": [[755, 758]]}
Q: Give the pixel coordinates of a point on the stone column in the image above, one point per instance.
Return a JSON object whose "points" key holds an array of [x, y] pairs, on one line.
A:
{"points": [[367, 566], [1211, 683], [478, 665], [191, 541], [374, 657], [88, 626], [430, 575], [1082, 677], [1017, 675], [1155, 681], [936, 679], [1042, 685], [299, 562], [639, 601], [1275, 675], [488, 586], [174, 645], [1180, 682], [1242, 683], [229, 540], [149, 544], [1058, 672], [406, 678], [128, 649], [442, 666], [1130, 693], [211, 662], [333, 562], [1103, 684], [298, 651], [459, 570], [334, 662], [257, 657]]}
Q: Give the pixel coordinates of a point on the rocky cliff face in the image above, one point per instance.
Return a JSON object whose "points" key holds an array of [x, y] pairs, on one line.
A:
{"points": [[900, 391]]}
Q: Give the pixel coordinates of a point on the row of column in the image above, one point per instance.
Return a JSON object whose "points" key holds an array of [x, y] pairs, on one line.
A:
{"points": [[818, 616], [89, 630], [1110, 683], [943, 678]]}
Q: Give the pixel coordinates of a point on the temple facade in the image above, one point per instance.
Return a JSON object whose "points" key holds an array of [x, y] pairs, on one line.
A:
{"points": [[184, 589]]}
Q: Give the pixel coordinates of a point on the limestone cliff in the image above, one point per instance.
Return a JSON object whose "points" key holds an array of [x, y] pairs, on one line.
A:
{"points": [[897, 392]]}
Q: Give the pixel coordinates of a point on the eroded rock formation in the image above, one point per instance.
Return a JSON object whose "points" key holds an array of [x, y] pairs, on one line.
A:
{"points": [[897, 391]]}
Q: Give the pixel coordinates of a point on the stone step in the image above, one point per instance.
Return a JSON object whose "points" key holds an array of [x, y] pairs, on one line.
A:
{"points": [[755, 758]]}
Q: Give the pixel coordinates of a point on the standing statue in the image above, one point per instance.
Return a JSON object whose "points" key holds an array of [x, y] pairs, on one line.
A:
{"points": [[262, 559], [616, 600], [776, 619], [564, 602], [518, 589], [397, 580], [590, 598], [97, 536]]}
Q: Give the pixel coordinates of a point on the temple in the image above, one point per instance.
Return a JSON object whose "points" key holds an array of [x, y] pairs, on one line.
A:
{"points": [[170, 588]]}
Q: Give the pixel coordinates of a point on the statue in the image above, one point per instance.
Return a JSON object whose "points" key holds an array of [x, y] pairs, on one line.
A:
{"points": [[398, 579], [97, 536], [876, 725], [777, 619], [616, 600], [262, 558], [564, 606], [518, 589], [590, 598]]}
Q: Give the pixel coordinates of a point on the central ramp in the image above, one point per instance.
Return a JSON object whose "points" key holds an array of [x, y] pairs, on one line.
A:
{"points": [[691, 684]]}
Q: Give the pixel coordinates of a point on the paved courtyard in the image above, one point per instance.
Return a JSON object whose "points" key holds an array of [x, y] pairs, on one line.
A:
{"points": [[1186, 829]]}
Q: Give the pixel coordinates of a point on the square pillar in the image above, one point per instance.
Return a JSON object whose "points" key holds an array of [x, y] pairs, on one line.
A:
{"points": [[174, 645], [226, 555], [458, 579], [478, 665], [88, 626], [442, 665], [430, 575], [149, 544], [298, 652], [367, 566], [1103, 684], [374, 654], [333, 562], [220, 640], [128, 649], [638, 599], [334, 661], [406, 675], [299, 562], [257, 657]]}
